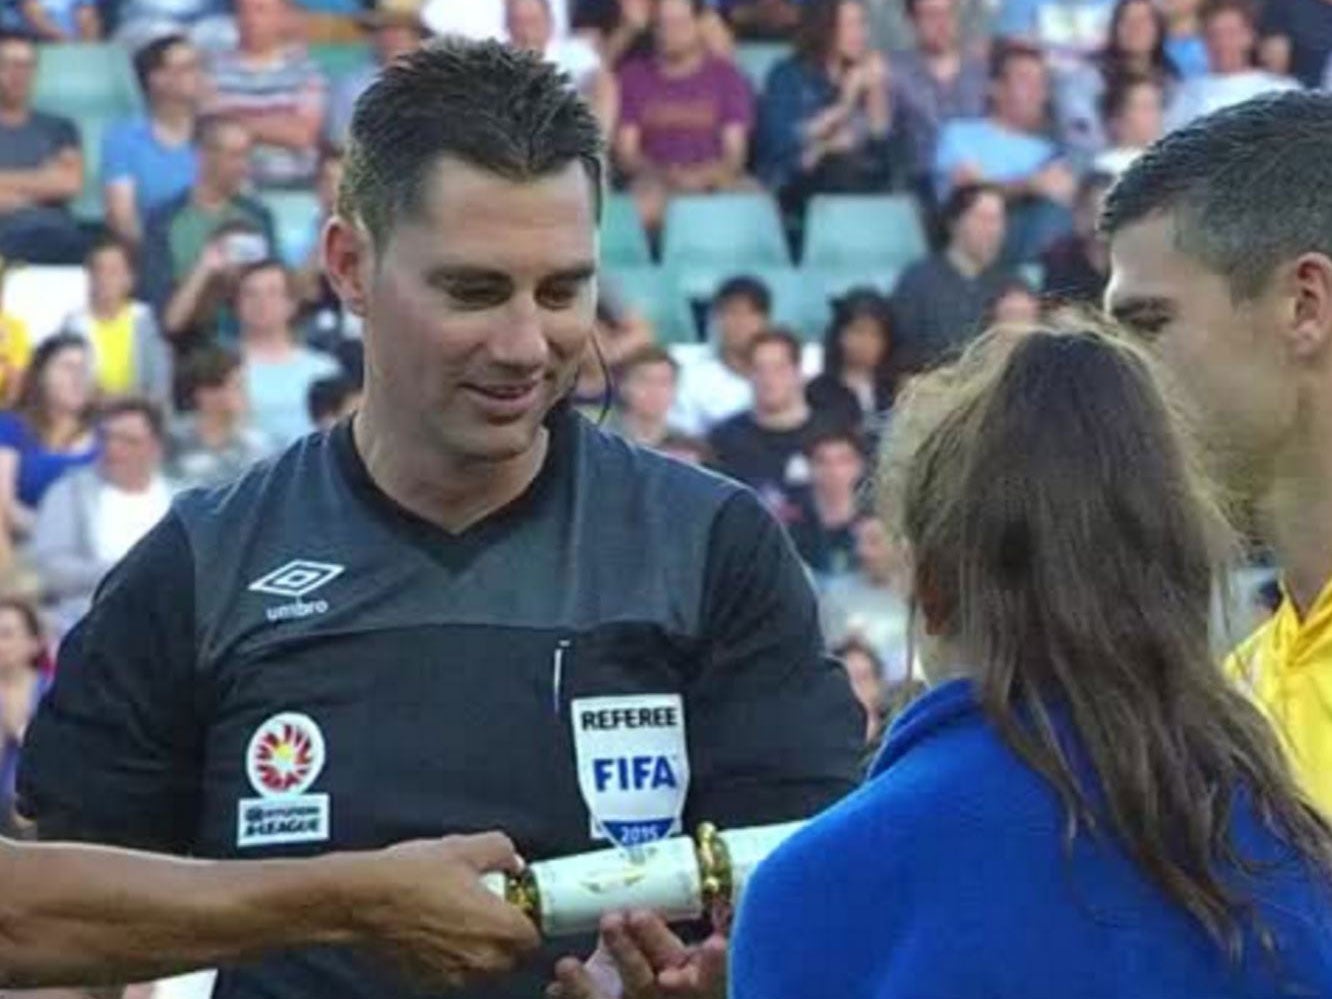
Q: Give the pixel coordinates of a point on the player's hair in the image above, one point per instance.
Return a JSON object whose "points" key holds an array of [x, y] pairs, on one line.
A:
{"points": [[1067, 543], [1246, 187], [153, 56], [495, 108]]}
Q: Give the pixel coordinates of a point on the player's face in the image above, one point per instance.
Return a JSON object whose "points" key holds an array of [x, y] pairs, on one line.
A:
{"points": [[479, 308], [1226, 354]]}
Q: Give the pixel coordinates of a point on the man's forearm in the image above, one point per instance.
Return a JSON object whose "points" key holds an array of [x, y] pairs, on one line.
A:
{"points": [[290, 130], [92, 915], [52, 182]]}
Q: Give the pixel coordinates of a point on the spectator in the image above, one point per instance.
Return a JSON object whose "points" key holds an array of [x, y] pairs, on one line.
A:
{"points": [[1008, 148], [935, 82], [764, 447], [823, 530], [1133, 110], [1304, 28], [326, 320], [939, 301], [479, 19], [531, 26], [136, 23], [1067, 29], [870, 603], [147, 161], [647, 386], [763, 20], [62, 20], [50, 430], [15, 347], [690, 450], [865, 671], [1015, 304], [23, 683], [1137, 47], [619, 333], [715, 388], [824, 120], [856, 386], [194, 244], [93, 516], [1077, 268], [41, 166], [270, 86], [129, 355], [395, 30], [278, 371], [1184, 43], [1229, 34], [331, 400], [622, 29], [215, 441], [685, 115]]}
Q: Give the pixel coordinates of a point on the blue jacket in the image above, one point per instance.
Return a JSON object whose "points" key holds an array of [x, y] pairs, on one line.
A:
{"points": [[944, 877]]}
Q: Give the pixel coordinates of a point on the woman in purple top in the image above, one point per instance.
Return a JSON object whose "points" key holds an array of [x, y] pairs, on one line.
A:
{"points": [[50, 430], [23, 682]]}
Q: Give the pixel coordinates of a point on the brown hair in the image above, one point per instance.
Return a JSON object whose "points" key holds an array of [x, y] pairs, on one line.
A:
{"points": [[32, 405], [1068, 542]]}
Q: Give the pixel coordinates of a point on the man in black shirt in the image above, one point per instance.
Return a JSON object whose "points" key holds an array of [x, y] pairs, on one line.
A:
{"points": [[393, 629]]}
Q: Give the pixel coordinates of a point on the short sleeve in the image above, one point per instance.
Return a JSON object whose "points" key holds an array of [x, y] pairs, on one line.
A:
{"points": [[775, 731], [116, 155], [11, 431], [632, 86], [113, 753], [737, 99], [64, 134]]}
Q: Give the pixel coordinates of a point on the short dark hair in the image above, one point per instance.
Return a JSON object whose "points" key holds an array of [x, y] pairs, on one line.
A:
{"points": [[16, 35], [835, 434], [784, 339], [267, 264], [133, 405], [961, 200], [153, 56], [327, 396], [1010, 51], [1119, 88], [747, 287], [498, 109], [208, 367], [1246, 187], [1215, 8], [651, 354], [109, 241]]}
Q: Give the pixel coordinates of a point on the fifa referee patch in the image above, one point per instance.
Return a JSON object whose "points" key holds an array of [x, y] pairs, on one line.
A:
{"points": [[283, 760]]}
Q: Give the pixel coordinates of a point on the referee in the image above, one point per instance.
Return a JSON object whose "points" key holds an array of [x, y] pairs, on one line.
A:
{"points": [[467, 609]]}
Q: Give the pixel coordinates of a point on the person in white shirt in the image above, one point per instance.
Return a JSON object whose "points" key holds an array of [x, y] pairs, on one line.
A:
{"points": [[480, 19], [92, 517], [1231, 78], [715, 388], [530, 25]]}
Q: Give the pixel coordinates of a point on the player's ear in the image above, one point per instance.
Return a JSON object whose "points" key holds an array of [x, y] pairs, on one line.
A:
{"points": [[348, 254], [1311, 305]]}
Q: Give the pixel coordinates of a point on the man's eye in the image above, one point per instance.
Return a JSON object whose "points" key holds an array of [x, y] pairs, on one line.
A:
{"points": [[477, 296], [559, 296]]}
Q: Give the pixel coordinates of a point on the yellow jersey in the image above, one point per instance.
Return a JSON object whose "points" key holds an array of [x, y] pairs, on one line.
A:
{"points": [[1286, 665], [15, 353], [113, 348]]}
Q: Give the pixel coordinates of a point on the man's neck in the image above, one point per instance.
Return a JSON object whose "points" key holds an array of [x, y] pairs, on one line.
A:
{"points": [[107, 311], [208, 197], [964, 264], [14, 115], [681, 65], [173, 121], [786, 418], [450, 491], [214, 429], [645, 429], [268, 343], [944, 64], [835, 511], [1299, 508]]}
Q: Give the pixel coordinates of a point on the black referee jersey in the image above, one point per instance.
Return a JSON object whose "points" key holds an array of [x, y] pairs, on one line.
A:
{"points": [[295, 664]]}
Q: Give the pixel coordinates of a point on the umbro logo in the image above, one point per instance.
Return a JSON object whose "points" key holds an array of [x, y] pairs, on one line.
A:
{"points": [[296, 579]]}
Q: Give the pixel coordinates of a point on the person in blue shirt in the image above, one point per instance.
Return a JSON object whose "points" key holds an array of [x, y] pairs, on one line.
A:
{"points": [[1081, 805], [150, 159]]}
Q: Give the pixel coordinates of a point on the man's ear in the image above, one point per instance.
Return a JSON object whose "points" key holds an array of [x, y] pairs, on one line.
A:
{"points": [[348, 255], [1310, 284]]}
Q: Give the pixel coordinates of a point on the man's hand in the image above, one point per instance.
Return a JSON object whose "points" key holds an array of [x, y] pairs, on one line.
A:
{"points": [[639, 957], [424, 905], [1056, 183]]}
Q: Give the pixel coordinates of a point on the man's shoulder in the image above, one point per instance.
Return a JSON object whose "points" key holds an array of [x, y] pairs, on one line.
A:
{"points": [[49, 121], [135, 130], [651, 472]]}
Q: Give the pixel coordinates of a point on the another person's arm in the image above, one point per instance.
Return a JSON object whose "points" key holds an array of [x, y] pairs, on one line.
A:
{"points": [[119, 193], [18, 518], [66, 567], [57, 180], [43, 25], [185, 303], [298, 129], [95, 915]]}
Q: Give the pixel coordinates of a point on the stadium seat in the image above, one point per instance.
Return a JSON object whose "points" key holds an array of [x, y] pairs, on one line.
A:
{"points": [[863, 231], [837, 281], [649, 290], [294, 216], [756, 60], [739, 231], [340, 60], [88, 206], [798, 304], [43, 296], [76, 79], [624, 242]]}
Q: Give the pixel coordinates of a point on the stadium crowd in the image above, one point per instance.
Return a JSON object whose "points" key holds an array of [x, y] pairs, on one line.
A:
{"points": [[812, 201]]}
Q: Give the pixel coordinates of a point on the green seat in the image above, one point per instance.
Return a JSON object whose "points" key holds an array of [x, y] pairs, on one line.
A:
{"points": [[338, 61], [859, 230], [650, 291], [624, 241], [798, 304], [835, 282], [739, 231], [77, 79], [756, 60], [295, 214]]}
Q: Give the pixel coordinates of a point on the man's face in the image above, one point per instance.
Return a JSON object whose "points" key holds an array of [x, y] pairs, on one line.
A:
{"points": [[649, 390], [18, 67], [227, 399], [1141, 121], [110, 276], [835, 468], [529, 24], [1228, 36], [1020, 94], [676, 29], [1226, 355], [131, 453], [852, 32], [226, 159], [263, 302], [776, 378], [936, 25], [179, 78], [262, 24], [739, 321], [980, 231], [480, 307]]}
